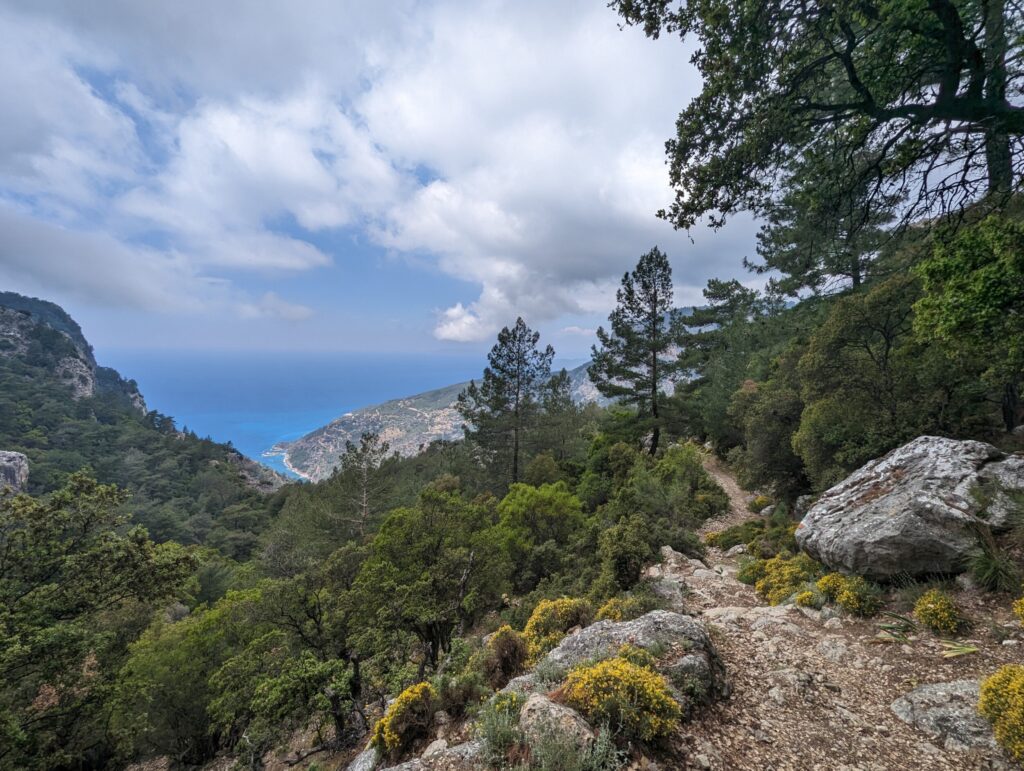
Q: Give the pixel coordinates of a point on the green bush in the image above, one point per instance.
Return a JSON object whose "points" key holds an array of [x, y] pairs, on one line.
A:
{"points": [[629, 698], [505, 657], [784, 576], [627, 607], [851, 593], [498, 728], [751, 570], [555, 752], [995, 570], [759, 503]]}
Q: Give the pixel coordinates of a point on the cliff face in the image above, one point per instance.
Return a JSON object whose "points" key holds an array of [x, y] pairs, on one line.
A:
{"points": [[45, 335], [407, 424]]}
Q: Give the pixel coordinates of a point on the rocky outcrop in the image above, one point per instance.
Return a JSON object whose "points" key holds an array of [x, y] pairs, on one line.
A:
{"points": [[541, 717], [461, 757], [915, 511], [13, 472], [662, 629], [948, 714]]}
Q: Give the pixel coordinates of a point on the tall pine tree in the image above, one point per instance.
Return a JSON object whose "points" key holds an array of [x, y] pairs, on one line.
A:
{"points": [[503, 408], [633, 359]]}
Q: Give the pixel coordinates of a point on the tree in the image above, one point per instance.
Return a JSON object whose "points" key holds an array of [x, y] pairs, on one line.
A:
{"points": [[974, 302], [823, 233], [501, 410], [924, 85], [433, 569], [76, 583], [633, 360], [365, 486]]}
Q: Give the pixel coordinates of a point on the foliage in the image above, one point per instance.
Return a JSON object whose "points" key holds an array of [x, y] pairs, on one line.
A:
{"points": [[758, 503], [629, 698], [764, 537], [632, 361], [973, 302], [498, 728], [851, 593], [788, 86], [553, 751], [1018, 609], [405, 721], [551, 619], [751, 570], [77, 584], [502, 410], [994, 569], [1002, 703], [532, 517], [506, 656], [628, 607], [785, 575], [809, 598], [937, 611]]}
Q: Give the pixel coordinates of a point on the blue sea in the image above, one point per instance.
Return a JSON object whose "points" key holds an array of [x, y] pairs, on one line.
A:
{"points": [[256, 399]]}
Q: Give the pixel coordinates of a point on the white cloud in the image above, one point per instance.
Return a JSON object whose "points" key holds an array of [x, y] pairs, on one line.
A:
{"points": [[574, 329], [516, 145]]}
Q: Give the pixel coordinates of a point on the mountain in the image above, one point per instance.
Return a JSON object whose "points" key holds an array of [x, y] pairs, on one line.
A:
{"points": [[407, 424], [65, 412]]}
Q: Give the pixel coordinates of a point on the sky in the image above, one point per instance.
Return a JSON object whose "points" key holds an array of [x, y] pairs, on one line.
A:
{"points": [[324, 175]]}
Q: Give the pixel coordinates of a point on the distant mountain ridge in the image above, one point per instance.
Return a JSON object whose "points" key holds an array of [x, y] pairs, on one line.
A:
{"points": [[407, 424]]}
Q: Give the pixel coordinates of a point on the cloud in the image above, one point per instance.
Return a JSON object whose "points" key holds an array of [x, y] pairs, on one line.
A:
{"points": [[573, 329], [195, 149]]}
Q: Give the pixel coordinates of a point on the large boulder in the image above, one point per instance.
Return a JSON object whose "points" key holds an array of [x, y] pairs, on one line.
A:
{"points": [[915, 511], [688, 656], [461, 757], [13, 472]]}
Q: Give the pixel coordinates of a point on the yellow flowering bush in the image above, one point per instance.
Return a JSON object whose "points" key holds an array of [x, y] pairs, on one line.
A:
{"points": [[639, 656], [938, 612], [550, 620], [851, 593], [759, 503], [784, 576], [625, 608], [808, 599], [406, 720], [1002, 703], [1018, 609], [629, 698]]}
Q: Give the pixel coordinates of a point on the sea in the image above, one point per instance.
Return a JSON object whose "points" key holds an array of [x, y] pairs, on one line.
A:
{"points": [[256, 399]]}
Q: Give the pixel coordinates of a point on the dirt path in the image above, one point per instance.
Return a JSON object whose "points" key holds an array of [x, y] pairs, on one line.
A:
{"points": [[810, 688]]}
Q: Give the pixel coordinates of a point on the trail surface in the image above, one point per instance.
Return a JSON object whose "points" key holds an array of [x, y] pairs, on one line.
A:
{"points": [[810, 689]]}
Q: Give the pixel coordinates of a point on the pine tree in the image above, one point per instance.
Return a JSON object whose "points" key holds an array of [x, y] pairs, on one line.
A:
{"points": [[502, 409], [633, 360]]}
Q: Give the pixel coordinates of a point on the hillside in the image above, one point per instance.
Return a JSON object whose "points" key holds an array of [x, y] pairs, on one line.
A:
{"points": [[65, 413], [407, 425]]}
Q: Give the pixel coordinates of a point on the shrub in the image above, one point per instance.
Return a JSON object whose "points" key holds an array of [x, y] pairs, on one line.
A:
{"points": [[638, 656], [554, 751], [627, 697], [505, 658], [498, 728], [937, 611], [1018, 609], [550, 620], [458, 692], [406, 720], [810, 599], [628, 607], [751, 570], [1002, 703], [735, 535], [778, 537], [784, 576], [851, 593], [995, 570], [759, 504]]}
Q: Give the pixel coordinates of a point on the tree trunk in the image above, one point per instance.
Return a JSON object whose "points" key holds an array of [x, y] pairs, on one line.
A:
{"points": [[515, 453], [1010, 405], [998, 158]]}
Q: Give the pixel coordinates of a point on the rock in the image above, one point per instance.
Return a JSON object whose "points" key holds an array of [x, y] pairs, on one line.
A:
{"points": [[542, 717], [13, 472], [436, 747], [524, 684], [834, 649], [659, 628], [767, 511], [913, 512], [737, 550], [802, 504], [365, 761], [461, 757], [948, 713]]}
